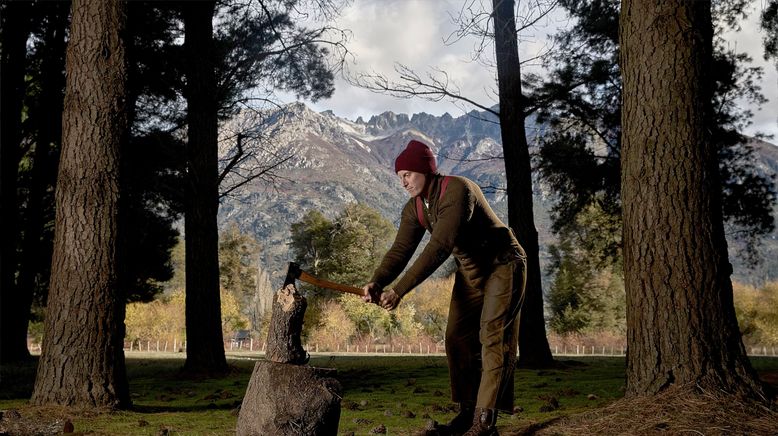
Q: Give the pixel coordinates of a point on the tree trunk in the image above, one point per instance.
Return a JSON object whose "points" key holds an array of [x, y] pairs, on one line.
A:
{"points": [[286, 325], [681, 325], [205, 346], [290, 400], [13, 322], [82, 362], [533, 344]]}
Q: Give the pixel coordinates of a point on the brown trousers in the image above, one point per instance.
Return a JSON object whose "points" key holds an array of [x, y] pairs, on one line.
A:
{"points": [[482, 335]]}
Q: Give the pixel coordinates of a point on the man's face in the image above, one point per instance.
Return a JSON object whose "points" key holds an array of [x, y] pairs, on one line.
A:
{"points": [[412, 182]]}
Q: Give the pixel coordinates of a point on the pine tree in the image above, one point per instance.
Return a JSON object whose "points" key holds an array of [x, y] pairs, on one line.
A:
{"points": [[681, 325], [82, 361]]}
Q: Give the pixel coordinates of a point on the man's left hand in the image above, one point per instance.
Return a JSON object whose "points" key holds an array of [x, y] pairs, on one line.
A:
{"points": [[389, 299]]}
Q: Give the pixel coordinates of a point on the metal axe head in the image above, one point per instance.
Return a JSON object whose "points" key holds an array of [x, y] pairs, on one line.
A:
{"points": [[293, 272]]}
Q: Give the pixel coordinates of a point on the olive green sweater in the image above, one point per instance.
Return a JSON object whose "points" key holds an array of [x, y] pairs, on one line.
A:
{"points": [[462, 223]]}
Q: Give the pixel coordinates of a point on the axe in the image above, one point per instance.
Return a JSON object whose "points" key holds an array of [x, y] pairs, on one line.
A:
{"points": [[294, 272]]}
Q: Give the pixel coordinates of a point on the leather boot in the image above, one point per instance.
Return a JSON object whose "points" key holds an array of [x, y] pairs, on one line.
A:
{"points": [[484, 423], [460, 423]]}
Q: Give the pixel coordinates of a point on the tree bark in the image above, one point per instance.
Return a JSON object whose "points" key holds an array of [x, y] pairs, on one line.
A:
{"points": [[205, 346], [82, 362], [286, 325], [13, 323], [534, 350], [681, 325], [290, 400]]}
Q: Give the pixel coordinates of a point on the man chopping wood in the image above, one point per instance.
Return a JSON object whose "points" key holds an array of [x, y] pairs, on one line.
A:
{"points": [[483, 324]]}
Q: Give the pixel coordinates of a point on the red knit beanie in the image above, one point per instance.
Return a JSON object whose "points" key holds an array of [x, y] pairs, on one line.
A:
{"points": [[416, 157]]}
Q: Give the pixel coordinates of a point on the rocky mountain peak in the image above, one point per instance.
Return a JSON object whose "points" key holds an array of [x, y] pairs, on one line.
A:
{"points": [[385, 122]]}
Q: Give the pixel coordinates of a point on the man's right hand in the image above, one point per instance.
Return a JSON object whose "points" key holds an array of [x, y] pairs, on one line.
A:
{"points": [[372, 293]]}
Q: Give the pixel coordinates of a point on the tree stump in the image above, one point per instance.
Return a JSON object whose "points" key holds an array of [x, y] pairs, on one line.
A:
{"points": [[285, 396], [286, 324], [286, 400]]}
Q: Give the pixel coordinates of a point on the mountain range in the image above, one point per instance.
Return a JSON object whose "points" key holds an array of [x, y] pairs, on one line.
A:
{"points": [[330, 162]]}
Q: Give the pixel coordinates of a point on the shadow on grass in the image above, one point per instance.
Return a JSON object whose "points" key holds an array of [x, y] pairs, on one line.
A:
{"points": [[184, 409], [534, 427], [18, 379]]}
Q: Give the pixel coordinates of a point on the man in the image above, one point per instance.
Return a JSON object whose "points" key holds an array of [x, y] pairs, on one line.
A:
{"points": [[483, 325]]}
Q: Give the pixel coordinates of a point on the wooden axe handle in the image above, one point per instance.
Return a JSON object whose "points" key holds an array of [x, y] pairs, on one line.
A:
{"points": [[307, 278]]}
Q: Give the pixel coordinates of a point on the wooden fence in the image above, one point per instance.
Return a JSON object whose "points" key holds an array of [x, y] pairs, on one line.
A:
{"points": [[252, 346]]}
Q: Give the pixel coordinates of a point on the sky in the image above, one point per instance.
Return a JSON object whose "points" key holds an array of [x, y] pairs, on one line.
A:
{"points": [[412, 32]]}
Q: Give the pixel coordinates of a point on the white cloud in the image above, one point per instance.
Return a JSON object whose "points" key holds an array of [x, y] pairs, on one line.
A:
{"points": [[411, 32], [750, 40]]}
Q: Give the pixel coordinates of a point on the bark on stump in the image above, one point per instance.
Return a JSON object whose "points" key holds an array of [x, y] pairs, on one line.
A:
{"points": [[284, 396], [286, 325], [286, 400]]}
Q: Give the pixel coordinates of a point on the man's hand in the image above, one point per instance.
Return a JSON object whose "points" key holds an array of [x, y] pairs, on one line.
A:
{"points": [[372, 293], [389, 299]]}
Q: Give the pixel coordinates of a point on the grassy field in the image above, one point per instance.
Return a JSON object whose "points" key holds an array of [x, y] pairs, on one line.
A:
{"points": [[399, 392]]}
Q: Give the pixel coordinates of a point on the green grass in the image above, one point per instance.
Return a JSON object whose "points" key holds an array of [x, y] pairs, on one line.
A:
{"points": [[399, 392]]}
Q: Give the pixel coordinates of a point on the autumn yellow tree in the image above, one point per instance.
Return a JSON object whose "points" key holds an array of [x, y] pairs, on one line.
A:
{"points": [[163, 319], [430, 301], [757, 313], [335, 329], [159, 320]]}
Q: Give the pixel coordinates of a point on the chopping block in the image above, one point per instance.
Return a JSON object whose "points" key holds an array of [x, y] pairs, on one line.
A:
{"points": [[285, 396]]}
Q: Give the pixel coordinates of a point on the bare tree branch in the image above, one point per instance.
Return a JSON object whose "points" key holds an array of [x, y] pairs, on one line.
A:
{"points": [[252, 153], [234, 161], [473, 20], [247, 148], [462, 159], [266, 173], [434, 87]]}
